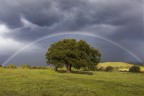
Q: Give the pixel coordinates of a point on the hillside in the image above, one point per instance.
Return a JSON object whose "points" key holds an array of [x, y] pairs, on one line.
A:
{"points": [[115, 64], [121, 65]]}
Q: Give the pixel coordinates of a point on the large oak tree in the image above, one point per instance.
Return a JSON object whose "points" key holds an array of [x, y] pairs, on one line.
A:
{"points": [[71, 53]]}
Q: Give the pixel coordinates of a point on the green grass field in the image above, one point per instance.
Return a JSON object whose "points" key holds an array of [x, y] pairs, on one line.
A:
{"points": [[44, 82]]}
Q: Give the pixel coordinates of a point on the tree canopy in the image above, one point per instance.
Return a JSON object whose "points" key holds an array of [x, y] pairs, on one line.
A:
{"points": [[72, 53]]}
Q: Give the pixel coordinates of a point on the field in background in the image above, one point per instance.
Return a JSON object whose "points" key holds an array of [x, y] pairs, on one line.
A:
{"points": [[122, 66], [45, 82]]}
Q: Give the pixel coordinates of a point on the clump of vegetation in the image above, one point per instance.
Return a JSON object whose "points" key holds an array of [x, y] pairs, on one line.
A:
{"points": [[0, 65], [134, 69], [12, 66], [25, 66], [34, 67], [109, 69], [71, 53], [38, 67]]}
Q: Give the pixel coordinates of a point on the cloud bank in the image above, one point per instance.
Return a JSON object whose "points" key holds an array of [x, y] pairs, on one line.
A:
{"points": [[121, 21]]}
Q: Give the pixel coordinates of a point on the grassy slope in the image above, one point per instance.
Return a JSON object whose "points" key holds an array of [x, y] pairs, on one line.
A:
{"points": [[34, 82], [123, 65], [114, 64]]}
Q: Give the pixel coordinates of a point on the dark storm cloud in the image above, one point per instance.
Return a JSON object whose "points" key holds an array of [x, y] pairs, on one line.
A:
{"points": [[117, 20], [74, 15], [42, 13]]}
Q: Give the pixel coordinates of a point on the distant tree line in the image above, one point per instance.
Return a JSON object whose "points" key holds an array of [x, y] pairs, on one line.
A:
{"points": [[134, 69]]}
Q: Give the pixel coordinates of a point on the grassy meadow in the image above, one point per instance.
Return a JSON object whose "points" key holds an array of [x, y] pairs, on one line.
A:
{"points": [[46, 82]]}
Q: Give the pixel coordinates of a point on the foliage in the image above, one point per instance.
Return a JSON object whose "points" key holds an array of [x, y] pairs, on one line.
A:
{"points": [[134, 69], [12, 66], [109, 69], [0, 65], [72, 53], [25, 66]]}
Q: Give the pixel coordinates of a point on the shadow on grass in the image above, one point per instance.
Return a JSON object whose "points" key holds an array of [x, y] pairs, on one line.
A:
{"points": [[76, 72]]}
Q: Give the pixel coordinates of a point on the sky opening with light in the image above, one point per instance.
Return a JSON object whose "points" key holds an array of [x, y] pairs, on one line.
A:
{"points": [[28, 27]]}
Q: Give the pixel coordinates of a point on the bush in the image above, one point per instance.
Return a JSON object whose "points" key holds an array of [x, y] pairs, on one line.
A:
{"points": [[12, 66], [109, 69], [0, 65], [134, 69], [38, 67], [26, 66], [34, 67]]}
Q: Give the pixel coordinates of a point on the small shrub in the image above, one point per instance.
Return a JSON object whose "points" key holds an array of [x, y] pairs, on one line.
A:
{"points": [[12, 66], [0, 65], [134, 69], [109, 69], [34, 67], [26, 66]]}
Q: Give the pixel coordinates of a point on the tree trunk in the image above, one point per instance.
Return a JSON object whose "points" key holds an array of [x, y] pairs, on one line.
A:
{"points": [[56, 68], [68, 68]]}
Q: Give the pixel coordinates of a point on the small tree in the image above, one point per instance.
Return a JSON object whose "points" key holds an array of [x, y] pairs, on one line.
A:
{"points": [[134, 69], [109, 69], [12, 66], [71, 53]]}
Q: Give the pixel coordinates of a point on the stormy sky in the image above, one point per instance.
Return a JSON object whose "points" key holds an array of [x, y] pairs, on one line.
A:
{"points": [[28, 27]]}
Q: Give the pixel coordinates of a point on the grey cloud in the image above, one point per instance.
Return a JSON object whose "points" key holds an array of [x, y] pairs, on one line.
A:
{"points": [[66, 15], [117, 20]]}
